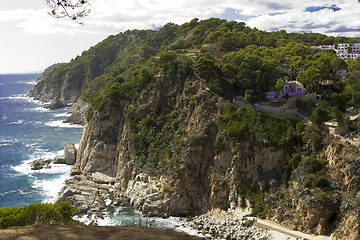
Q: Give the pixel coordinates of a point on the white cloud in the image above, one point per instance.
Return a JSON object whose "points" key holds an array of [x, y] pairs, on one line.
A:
{"points": [[325, 21], [111, 17]]}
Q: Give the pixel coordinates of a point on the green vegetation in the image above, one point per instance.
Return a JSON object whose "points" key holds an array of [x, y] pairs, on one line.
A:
{"points": [[294, 160], [320, 114], [219, 146], [39, 213], [246, 122]]}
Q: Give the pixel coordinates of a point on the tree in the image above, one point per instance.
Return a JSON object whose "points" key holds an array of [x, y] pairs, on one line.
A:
{"points": [[68, 9], [167, 61], [320, 114], [310, 78], [205, 65]]}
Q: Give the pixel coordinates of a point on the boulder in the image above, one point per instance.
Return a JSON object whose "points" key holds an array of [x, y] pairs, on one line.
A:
{"points": [[101, 178], [70, 153], [40, 164], [55, 104], [59, 159]]}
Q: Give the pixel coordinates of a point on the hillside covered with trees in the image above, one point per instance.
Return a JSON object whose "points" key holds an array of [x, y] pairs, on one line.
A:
{"points": [[160, 104]]}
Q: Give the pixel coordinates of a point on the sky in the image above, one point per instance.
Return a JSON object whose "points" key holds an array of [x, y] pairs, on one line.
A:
{"points": [[31, 40]]}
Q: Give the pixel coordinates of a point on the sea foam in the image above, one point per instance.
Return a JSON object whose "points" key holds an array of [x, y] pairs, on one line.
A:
{"points": [[62, 124]]}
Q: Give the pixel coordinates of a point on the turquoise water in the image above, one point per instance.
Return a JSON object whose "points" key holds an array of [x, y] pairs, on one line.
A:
{"points": [[28, 132]]}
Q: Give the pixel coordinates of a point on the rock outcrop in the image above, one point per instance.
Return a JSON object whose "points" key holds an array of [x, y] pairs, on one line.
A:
{"points": [[78, 113], [55, 104], [156, 198], [40, 164], [87, 196], [60, 159], [70, 153]]}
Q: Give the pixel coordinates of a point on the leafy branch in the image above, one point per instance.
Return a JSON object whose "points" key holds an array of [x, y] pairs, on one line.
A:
{"points": [[68, 9]]}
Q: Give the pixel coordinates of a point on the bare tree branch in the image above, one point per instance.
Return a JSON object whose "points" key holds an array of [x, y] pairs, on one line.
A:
{"points": [[69, 9]]}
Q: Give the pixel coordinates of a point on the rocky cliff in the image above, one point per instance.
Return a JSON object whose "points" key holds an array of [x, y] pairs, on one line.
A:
{"points": [[173, 144]]}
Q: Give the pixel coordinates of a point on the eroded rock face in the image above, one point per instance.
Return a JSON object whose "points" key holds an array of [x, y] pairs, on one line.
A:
{"points": [[205, 182], [155, 198], [56, 103], [70, 153], [86, 195], [78, 113]]}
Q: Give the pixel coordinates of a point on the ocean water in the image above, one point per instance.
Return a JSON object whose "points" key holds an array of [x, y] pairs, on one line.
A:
{"points": [[28, 131]]}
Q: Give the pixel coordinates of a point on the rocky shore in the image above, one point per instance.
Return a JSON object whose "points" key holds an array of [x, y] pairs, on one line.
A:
{"points": [[231, 224], [68, 158], [93, 194]]}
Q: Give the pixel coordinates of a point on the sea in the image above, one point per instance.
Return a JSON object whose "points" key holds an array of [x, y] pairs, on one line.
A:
{"points": [[28, 131]]}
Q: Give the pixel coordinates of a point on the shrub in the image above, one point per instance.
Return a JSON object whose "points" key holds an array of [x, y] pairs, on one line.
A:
{"points": [[219, 146], [294, 160], [322, 182], [39, 213], [319, 115], [308, 183], [246, 122], [166, 189], [312, 165]]}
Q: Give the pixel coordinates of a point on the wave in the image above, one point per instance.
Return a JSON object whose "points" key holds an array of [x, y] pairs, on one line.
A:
{"points": [[40, 109], [62, 114], [25, 98], [61, 124], [9, 192], [8, 142], [31, 83], [25, 166], [47, 181], [18, 122], [51, 187]]}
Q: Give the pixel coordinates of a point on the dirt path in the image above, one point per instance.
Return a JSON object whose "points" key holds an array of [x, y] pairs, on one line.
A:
{"points": [[279, 232], [55, 232]]}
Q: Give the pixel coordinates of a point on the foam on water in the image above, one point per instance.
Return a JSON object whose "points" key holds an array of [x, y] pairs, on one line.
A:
{"points": [[62, 115], [61, 124], [17, 122], [41, 109], [31, 83], [51, 188]]}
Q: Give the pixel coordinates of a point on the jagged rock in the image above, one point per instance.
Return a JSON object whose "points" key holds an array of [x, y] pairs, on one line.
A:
{"points": [[101, 178], [75, 170], [75, 118], [85, 195], [40, 164], [154, 198], [70, 153], [59, 159], [56, 103]]}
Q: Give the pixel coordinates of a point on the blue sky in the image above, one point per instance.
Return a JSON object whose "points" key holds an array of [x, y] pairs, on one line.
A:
{"points": [[31, 40]]}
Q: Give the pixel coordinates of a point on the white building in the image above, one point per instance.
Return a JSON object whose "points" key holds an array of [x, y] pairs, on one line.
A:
{"points": [[343, 50], [344, 53]]}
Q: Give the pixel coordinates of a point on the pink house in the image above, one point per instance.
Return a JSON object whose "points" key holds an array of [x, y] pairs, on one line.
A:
{"points": [[292, 88]]}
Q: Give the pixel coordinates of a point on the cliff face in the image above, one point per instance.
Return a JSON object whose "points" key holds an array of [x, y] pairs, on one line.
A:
{"points": [[197, 180], [173, 144]]}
